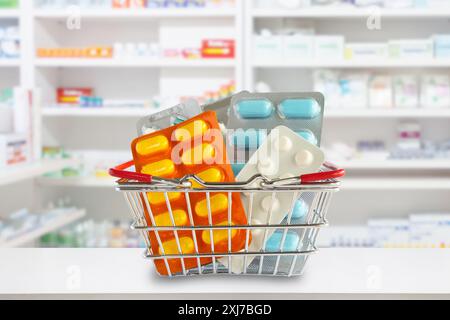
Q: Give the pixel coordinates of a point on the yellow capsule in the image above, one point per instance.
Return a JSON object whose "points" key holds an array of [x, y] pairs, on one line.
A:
{"points": [[171, 247], [163, 168], [219, 203], [198, 155], [158, 198], [218, 235], [164, 220], [191, 130], [210, 175], [152, 146]]}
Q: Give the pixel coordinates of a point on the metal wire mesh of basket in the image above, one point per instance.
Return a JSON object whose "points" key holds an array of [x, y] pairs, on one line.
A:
{"points": [[296, 237]]}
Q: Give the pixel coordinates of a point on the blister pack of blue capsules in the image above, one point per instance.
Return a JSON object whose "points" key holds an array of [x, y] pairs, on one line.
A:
{"points": [[251, 117], [169, 117]]}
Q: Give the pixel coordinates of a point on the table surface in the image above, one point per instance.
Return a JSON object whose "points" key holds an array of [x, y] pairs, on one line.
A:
{"points": [[123, 273]]}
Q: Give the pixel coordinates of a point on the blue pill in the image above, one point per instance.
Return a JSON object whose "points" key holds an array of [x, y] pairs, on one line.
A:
{"points": [[308, 136], [237, 168], [290, 243], [254, 109], [248, 139], [300, 210], [299, 109]]}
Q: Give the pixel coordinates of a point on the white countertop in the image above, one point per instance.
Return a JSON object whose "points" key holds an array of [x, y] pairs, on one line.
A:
{"points": [[123, 273]]}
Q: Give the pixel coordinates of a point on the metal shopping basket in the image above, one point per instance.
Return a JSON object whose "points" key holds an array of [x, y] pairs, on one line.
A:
{"points": [[314, 189]]}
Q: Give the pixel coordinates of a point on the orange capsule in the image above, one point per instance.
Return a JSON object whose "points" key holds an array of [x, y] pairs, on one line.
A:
{"points": [[171, 247], [198, 155], [163, 168], [191, 130], [152, 146], [218, 235]]}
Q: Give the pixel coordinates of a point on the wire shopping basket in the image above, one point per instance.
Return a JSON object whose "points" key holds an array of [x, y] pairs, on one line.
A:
{"points": [[314, 190]]}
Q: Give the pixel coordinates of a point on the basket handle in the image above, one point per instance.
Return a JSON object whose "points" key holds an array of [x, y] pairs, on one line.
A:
{"points": [[121, 173], [334, 173]]}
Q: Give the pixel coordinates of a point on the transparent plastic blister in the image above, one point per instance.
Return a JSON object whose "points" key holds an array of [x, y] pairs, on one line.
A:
{"points": [[169, 117]]}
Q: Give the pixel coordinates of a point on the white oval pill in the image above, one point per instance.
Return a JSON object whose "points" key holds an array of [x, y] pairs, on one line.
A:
{"points": [[270, 203], [304, 158], [283, 144], [266, 167]]}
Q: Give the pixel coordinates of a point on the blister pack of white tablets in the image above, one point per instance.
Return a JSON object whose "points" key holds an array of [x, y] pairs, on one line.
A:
{"points": [[284, 154], [169, 117], [251, 117]]}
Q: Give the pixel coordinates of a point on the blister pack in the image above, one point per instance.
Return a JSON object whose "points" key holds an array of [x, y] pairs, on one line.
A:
{"points": [[284, 154], [251, 117], [195, 146], [169, 117]]}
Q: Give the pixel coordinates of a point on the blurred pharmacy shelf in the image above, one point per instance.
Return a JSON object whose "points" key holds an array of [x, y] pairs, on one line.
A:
{"points": [[131, 14], [442, 165], [84, 182], [403, 184], [421, 112], [57, 223], [422, 63], [96, 112], [30, 171], [135, 63], [346, 12]]}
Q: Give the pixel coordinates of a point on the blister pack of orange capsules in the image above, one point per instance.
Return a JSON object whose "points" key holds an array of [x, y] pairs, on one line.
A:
{"points": [[197, 147]]}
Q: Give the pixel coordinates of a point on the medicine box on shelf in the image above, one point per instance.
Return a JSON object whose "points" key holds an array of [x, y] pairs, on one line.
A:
{"points": [[442, 46], [411, 49], [14, 149], [298, 46], [366, 51], [329, 47], [268, 47]]}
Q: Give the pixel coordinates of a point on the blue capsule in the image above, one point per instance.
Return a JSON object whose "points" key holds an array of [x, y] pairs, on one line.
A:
{"points": [[308, 136], [300, 210], [299, 109], [290, 243], [254, 109]]}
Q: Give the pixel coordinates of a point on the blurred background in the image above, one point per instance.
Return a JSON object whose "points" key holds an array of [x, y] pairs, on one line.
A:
{"points": [[76, 75]]}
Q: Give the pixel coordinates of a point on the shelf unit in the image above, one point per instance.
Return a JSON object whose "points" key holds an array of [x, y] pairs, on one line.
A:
{"points": [[53, 225], [80, 182], [396, 184], [8, 63], [96, 112], [402, 185], [349, 12], [115, 14], [75, 128], [400, 165], [364, 112], [9, 13], [30, 171], [136, 63], [423, 63]]}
